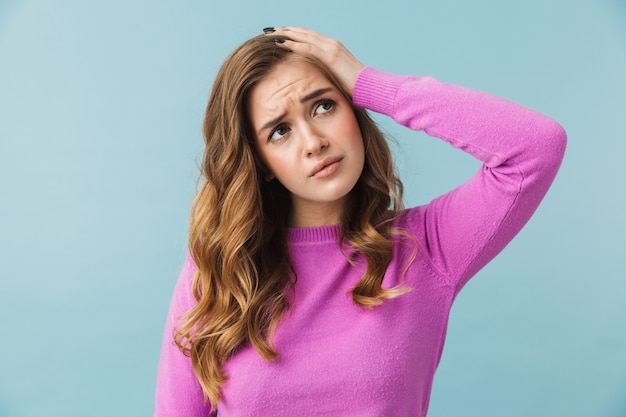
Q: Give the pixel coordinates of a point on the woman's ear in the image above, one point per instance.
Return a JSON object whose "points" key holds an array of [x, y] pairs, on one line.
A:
{"points": [[269, 177]]}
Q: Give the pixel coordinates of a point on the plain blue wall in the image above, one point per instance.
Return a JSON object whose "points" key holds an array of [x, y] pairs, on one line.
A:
{"points": [[100, 115]]}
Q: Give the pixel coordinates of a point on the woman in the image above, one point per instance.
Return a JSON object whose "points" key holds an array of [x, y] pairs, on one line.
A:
{"points": [[309, 290]]}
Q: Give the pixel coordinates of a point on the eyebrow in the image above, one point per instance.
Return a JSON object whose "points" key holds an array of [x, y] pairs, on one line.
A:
{"points": [[311, 96], [315, 94]]}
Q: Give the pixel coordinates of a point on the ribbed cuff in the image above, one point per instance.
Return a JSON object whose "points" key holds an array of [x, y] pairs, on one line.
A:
{"points": [[376, 90]]}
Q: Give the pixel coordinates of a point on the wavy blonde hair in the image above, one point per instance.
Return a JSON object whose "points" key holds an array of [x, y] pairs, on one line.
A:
{"points": [[238, 227]]}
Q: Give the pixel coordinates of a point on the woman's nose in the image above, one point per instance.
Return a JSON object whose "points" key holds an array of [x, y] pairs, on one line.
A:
{"points": [[314, 140]]}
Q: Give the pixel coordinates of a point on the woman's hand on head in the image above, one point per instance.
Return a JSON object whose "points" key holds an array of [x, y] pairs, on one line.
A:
{"points": [[330, 51]]}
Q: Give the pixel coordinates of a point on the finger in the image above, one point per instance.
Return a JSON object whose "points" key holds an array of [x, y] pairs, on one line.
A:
{"points": [[300, 35], [324, 48], [300, 32], [296, 46]]}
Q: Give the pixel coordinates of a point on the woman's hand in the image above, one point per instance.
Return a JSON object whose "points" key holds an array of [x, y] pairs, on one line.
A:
{"points": [[330, 51]]}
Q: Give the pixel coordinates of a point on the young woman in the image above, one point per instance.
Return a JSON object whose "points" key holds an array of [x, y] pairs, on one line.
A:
{"points": [[309, 290]]}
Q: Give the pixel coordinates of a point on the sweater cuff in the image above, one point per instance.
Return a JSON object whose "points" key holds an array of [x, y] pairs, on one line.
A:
{"points": [[376, 90]]}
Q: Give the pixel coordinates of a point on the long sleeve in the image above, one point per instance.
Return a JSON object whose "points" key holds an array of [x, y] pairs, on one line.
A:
{"points": [[521, 151], [178, 392]]}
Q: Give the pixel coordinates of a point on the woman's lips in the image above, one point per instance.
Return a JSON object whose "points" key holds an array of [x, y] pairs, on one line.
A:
{"points": [[326, 167]]}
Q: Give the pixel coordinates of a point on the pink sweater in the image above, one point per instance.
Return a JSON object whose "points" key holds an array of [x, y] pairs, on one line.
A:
{"points": [[337, 359]]}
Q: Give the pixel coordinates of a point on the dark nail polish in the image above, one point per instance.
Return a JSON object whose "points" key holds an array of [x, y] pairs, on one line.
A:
{"points": [[268, 30], [279, 40]]}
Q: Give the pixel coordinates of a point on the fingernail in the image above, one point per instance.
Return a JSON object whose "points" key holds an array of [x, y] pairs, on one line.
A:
{"points": [[269, 30], [279, 40]]}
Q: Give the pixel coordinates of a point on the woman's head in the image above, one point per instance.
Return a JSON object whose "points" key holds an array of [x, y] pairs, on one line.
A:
{"points": [[235, 153]]}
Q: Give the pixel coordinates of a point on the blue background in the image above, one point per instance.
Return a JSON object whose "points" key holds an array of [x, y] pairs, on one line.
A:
{"points": [[101, 105]]}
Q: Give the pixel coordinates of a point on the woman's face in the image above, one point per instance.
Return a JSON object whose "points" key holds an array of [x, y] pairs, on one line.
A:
{"points": [[309, 139]]}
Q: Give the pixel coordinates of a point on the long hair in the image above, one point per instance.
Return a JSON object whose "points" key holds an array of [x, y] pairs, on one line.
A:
{"points": [[238, 226]]}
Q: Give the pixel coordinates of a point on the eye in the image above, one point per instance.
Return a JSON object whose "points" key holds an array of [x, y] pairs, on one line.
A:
{"points": [[324, 106], [278, 133]]}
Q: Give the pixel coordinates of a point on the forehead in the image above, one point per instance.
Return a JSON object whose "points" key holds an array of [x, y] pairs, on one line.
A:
{"points": [[285, 84]]}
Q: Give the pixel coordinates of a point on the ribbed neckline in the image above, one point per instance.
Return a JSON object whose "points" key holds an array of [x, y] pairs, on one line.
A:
{"points": [[314, 234]]}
